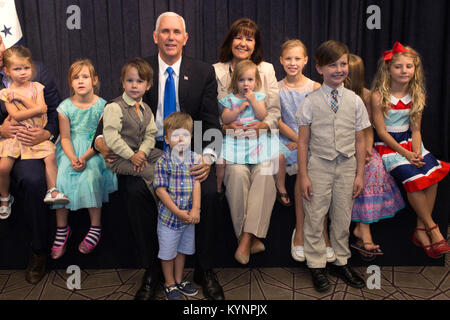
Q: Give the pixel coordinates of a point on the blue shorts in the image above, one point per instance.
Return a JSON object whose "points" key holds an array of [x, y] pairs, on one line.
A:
{"points": [[173, 241]]}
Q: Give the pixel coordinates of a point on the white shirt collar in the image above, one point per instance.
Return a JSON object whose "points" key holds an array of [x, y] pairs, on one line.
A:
{"points": [[130, 101], [406, 99], [327, 89], [163, 66]]}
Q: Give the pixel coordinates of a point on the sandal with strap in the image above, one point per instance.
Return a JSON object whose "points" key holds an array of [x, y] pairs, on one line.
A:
{"points": [[429, 251], [59, 199], [439, 247], [5, 211], [285, 196]]}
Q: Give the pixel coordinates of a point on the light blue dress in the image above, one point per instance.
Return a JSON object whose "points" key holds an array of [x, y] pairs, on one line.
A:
{"points": [[290, 99], [249, 151], [92, 186]]}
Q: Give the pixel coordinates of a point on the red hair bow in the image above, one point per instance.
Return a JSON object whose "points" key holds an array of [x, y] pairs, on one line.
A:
{"points": [[397, 48]]}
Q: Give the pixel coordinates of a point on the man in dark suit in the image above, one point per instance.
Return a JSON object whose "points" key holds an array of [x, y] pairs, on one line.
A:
{"points": [[196, 94], [28, 184]]}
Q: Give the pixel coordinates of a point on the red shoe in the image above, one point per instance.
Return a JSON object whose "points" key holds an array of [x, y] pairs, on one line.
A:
{"points": [[429, 251], [439, 247]]}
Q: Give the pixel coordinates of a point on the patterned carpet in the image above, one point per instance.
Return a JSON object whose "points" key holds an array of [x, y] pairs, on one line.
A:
{"points": [[396, 283]]}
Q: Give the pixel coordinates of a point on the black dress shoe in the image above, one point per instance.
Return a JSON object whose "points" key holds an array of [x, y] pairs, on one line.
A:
{"points": [[320, 279], [211, 287], [36, 268], [348, 275], [150, 284]]}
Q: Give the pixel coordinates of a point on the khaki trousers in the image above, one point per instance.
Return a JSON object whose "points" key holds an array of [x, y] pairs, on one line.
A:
{"points": [[332, 183], [251, 192]]}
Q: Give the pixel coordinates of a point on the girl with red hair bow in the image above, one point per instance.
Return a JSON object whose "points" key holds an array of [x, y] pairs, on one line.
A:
{"points": [[398, 100]]}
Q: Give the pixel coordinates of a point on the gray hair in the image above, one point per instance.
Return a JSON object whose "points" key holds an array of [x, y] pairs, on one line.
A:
{"points": [[169, 14]]}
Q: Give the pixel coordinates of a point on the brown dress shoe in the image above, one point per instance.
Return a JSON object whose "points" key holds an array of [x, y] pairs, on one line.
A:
{"points": [[36, 268]]}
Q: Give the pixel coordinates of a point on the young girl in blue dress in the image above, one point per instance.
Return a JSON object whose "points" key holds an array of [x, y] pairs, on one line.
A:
{"points": [[246, 105], [380, 198], [82, 173], [398, 100]]}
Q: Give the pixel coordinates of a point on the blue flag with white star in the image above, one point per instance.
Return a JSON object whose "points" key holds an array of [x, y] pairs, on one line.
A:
{"points": [[10, 30]]}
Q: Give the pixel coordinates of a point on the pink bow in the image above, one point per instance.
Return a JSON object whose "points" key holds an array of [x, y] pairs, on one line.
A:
{"points": [[397, 48]]}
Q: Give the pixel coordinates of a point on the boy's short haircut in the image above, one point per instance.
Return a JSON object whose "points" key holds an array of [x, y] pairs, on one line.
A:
{"points": [[144, 70], [329, 52], [178, 120]]}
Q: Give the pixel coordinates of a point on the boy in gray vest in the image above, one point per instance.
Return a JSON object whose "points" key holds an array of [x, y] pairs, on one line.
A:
{"points": [[129, 127], [331, 123]]}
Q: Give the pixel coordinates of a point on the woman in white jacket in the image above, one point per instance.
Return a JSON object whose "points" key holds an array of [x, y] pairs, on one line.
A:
{"points": [[250, 189]]}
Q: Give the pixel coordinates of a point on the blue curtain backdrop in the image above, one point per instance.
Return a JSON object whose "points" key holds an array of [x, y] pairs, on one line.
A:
{"points": [[113, 31]]}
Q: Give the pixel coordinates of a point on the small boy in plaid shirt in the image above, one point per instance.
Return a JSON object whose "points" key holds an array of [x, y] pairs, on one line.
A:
{"points": [[179, 208]]}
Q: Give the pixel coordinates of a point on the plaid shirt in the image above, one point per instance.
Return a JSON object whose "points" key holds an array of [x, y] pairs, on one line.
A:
{"points": [[175, 176]]}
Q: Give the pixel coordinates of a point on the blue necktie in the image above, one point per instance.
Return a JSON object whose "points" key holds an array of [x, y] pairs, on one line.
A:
{"points": [[170, 102]]}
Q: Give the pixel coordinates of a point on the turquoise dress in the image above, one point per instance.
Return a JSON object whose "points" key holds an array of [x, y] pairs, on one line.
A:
{"points": [[249, 151], [92, 186]]}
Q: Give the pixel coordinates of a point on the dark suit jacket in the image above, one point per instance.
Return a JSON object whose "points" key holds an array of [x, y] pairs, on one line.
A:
{"points": [[51, 95], [197, 93]]}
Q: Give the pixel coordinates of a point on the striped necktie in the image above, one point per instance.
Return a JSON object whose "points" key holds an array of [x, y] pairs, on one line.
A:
{"points": [[334, 102]]}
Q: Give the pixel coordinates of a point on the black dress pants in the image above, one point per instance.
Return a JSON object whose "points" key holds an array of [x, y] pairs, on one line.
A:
{"points": [[28, 186]]}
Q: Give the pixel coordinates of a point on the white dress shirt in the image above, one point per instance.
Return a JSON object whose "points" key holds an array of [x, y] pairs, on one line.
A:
{"points": [[159, 119]]}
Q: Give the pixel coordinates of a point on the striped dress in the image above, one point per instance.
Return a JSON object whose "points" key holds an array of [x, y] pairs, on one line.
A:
{"points": [[412, 178]]}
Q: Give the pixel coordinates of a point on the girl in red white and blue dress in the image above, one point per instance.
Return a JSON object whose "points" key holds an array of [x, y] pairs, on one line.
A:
{"points": [[398, 100]]}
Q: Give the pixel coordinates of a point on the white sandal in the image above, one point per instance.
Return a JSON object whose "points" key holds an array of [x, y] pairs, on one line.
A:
{"points": [[5, 211], [59, 199]]}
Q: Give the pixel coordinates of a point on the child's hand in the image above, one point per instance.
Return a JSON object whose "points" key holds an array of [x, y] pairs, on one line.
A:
{"points": [[138, 158], [10, 95], [78, 165], [358, 186], [306, 188], [244, 105], [185, 217], [195, 215], [140, 168], [291, 145], [415, 159], [249, 95], [369, 155]]}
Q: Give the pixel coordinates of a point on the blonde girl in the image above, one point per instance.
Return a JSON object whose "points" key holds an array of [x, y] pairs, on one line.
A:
{"points": [[293, 90], [398, 100], [245, 104]]}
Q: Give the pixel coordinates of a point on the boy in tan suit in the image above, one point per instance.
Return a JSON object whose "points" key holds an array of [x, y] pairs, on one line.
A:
{"points": [[331, 120]]}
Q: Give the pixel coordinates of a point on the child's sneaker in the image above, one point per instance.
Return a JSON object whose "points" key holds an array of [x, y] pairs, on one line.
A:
{"points": [[187, 288], [172, 292]]}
